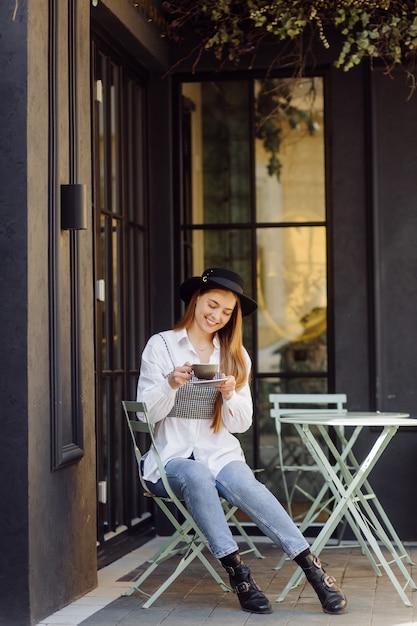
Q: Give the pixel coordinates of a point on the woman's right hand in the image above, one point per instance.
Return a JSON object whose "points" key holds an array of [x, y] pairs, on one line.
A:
{"points": [[180, 376]]}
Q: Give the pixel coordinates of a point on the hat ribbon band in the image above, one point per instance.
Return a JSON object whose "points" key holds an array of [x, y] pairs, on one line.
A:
{"points": [[228, 284]]}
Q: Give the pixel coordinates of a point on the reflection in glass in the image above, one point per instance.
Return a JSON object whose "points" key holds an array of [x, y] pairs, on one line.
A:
{"points": [[227, 248], [291, 254], [117, 294], [253, 200], [115, 139], [289, 150], [295, 451], [292, 297], [220, 138], [100, 165]]}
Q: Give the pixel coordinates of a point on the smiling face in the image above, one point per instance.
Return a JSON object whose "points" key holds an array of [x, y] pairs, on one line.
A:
{"points": [[214, 309]]}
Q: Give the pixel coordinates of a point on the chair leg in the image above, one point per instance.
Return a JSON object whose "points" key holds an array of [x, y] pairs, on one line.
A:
{"points": [[170, 548], [193, 552], [185, 533]]}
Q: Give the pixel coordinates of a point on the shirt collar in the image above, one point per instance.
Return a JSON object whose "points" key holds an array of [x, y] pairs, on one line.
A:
{"points": [[182, 337]]}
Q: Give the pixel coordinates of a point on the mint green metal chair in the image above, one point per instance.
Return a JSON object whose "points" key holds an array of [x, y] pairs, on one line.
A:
{"points": [[187, 540], [287, 404], [291, 472]]}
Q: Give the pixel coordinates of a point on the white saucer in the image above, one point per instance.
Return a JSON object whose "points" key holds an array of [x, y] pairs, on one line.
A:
{"points": [[215, 382]]}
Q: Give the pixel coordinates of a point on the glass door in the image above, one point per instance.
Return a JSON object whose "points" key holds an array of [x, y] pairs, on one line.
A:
{"points": [[256, 203], [120, 272]]}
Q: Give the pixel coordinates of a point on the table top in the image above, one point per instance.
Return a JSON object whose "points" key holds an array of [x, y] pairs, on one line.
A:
{"points": [[351, 418]]}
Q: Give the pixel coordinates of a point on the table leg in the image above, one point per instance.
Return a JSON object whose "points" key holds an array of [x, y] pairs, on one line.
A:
{"points": [[370, 496], [347, 496]]}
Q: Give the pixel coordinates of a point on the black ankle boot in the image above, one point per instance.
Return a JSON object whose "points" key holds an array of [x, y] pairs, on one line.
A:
{"points": [[332, 598], [250, 596]]}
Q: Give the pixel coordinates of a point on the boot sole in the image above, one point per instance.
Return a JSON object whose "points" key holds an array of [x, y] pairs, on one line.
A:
{"points": [[258, 612], [335, 612]]}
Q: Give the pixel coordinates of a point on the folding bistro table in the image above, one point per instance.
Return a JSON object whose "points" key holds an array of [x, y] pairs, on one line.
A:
{"points": [[347, 478]]}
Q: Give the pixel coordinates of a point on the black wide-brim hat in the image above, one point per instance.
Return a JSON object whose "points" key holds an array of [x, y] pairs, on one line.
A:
{"points": [[218, 278]]}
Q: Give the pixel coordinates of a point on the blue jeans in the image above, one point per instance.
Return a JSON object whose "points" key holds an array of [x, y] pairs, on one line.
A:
{"points": [[192, 482]]}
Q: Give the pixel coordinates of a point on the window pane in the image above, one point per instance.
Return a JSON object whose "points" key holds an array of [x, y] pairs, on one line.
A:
{"points": [[295, 451], [117, 290], [229, 248], [104, 272], [115, 139], [222, 248], [136, 161], [99, 132], [220, 137], [136, 312], [289, 149], [292, 297]]}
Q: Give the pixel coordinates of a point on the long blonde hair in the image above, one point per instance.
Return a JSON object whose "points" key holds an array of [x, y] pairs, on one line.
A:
{"points": [[232, 359]]}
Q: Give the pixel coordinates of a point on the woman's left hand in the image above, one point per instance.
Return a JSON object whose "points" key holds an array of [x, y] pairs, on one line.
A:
{"points": [[228, 387]]}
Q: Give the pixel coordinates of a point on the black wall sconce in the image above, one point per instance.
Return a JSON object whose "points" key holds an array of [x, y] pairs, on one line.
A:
{"points": [[73, 207]]}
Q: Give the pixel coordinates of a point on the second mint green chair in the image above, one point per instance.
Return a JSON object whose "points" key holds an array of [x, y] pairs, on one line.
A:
{"points": [[291, 472]]}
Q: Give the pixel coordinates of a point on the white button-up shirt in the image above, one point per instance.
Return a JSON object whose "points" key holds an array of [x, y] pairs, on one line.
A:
{"points": [[180, 437]]}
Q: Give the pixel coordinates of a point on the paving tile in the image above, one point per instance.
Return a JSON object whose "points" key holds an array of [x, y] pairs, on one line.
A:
{"points": [[195, 599]]}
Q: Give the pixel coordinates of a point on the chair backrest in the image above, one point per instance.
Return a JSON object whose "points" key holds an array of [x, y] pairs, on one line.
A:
{"points": [[288, 403], [135, 426], [137, 420]]}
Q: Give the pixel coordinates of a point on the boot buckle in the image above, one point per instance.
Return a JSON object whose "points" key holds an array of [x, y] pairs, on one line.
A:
{"points": [[329, 581], [242, 587], [316, 562]]}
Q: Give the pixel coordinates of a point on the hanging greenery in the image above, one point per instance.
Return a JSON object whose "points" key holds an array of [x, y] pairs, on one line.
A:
{"points": [[233, 29]]}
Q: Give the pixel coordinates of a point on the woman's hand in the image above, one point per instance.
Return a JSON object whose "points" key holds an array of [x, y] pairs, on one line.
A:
{"points": [[180, 376], [228, 387]]}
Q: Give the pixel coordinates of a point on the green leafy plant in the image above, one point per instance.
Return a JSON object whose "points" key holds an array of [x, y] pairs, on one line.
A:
{"points": [[235, 29]]}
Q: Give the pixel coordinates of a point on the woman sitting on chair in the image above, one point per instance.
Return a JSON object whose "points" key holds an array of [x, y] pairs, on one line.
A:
{"points": [[194, 426]]}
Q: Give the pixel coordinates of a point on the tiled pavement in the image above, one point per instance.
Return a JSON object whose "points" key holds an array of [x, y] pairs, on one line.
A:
{"points": [[195, 599]]}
